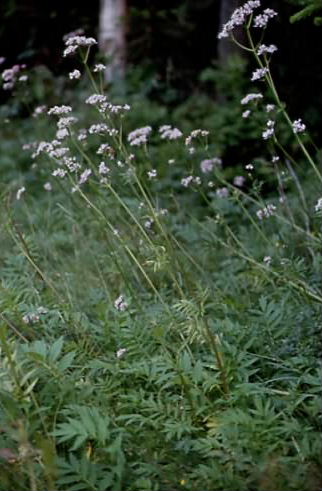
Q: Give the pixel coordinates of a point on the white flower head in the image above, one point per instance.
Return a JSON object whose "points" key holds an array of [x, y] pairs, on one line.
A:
{"points": [[139, 136], [298, 126], [103, 169], [120, 304], [59, 110], [259, 74], [152, 174], [99, 67], [318, 206], [253, 96], [263, 49], [74, 75], [266, 212], [238, 17], [261, 20], [169, 133], [120, 353], [208, 165], [84, 176], [222, 192], [239, 181]]}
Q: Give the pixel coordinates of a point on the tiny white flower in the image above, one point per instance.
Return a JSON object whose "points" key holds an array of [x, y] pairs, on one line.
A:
{"points": [[266, 212], [120, 353], [318, 206], [152, 174], [222, 192], [251, 97], [120, 304], [259, 74], [263, 49], [84, 176], [103, 169], [75, 74], [99, 67], [20, 192], [267, 260], [48, 186], [298, 126], [239, 181]]}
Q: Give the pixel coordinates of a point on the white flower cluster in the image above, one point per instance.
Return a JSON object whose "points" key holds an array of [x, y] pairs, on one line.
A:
{"points": [[168, 133], [120, 353], [98, 128], [207, 165], [246, 114], [152, 174], [58, 153], [251, 97], [11, 75], [103, 105], [71, 164], [42, 146], [139, 136], [267, 260], [222, 192], [66, 121], [195, 134], [239, 181], [99, 68], [39, 110], [82, 134], [261, 20], [266, 212], [75, 74], [103, 169], [120, 304], [186, 181], [318, 206], [61, 134], [269, 132], [259, 73], [84, 176], [298, 126], [263, 49], [105, 148], [95, 99], [270, 107], [59, 173], [238, 17], [58, 110], [74, 42]]}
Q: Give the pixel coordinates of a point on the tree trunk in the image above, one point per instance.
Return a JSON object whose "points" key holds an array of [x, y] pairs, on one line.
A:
{"points": [[112, 42], [226, 47]]}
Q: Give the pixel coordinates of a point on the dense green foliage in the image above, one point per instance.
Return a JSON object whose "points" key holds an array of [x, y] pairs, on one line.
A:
{"points": [[160, 312]]}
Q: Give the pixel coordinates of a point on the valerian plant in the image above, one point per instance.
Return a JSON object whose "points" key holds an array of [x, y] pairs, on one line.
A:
{"points": [[159, 314]]}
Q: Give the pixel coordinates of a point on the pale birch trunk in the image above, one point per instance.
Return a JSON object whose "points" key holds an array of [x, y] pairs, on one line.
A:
{"points": [[112, 42], [226, 47]]}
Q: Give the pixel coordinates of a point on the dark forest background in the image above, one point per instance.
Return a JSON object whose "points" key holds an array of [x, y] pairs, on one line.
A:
{"points": [[170, 42]]}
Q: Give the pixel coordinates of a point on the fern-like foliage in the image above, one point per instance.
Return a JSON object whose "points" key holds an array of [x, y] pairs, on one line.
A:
{"points": [[310, 8]]}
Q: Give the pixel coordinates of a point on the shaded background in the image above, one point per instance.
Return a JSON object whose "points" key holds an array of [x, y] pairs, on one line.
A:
{"points": [[171, 41]]}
